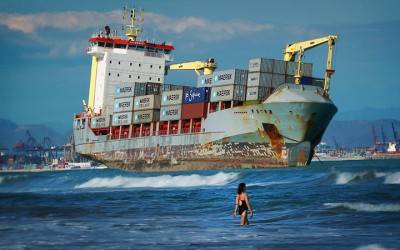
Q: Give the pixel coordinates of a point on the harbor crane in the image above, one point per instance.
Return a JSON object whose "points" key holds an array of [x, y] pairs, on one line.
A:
{"points": [[208, 66], [299, 48]]}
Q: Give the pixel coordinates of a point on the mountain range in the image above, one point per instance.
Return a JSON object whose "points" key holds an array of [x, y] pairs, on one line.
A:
{"points": [[348, 129]]}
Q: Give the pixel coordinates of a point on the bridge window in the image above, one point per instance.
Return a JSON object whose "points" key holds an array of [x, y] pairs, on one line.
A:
{"points": [[120, 46]]}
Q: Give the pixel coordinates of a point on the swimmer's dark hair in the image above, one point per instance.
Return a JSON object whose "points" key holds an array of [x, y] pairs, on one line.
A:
{"points": [[241, 188]]}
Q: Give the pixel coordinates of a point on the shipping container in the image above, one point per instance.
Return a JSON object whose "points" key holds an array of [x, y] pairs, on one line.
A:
{"points": [[319, 82], [289, 79], [194, 110], [228, 93], [122, 119], [153, 88], [171, 87], [173, 97], [123, 104], [100, 122], [261, 65], [258, 93], [277, 79], [306, 68], [145, 116], [279, 67], [125, 90], [259, 79], [225, 77], [147, 102], [168, 113], [305, 80], [140, 88], [205, 81], [196, 95]]}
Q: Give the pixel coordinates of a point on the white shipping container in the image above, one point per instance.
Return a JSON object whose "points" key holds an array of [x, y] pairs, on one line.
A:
{"points": [[172, 97], [261, 65], [169, 113], [122, 119], [228, 93], [258, 93], [100, 122], [224, 77], [205, 81], [259, 79], [123, 104], [147, 102], [124, 90], [146, 116]]}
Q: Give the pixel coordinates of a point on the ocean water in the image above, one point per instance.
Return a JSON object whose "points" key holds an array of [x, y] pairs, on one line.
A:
{"points": [[338, 205]]}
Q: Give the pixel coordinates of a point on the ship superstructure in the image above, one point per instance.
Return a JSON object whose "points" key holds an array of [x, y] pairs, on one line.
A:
{"points": [[272, 114]]}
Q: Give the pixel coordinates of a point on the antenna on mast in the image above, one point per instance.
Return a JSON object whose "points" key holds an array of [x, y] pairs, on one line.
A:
{"points": [[133, 31]]}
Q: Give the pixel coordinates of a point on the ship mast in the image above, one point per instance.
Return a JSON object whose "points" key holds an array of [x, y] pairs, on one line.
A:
{"points": [[134, 31]]}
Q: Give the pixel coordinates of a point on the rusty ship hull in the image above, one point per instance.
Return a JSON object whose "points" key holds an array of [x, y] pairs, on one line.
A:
{"points": [[282, 131]]}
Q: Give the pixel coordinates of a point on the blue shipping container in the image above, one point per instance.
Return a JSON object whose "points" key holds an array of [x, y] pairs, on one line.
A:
{"points": [[196, 95], [306, 80]]}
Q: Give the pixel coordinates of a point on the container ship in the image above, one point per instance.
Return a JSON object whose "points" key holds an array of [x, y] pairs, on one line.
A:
{"points": [[271, 114]]}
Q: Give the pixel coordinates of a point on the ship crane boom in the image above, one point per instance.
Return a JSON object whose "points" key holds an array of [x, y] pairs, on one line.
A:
{"points": [[299, 48], [208, 67]]}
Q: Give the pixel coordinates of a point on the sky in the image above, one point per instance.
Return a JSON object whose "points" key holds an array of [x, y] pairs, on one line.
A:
{"points": [[44, 68]]}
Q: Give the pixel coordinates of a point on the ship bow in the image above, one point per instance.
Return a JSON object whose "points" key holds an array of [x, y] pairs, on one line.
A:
{"points": [[297, 118]]}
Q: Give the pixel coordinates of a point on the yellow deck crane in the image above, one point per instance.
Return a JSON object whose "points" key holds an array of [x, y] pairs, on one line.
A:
{"points": [[292, 50], [208, 66]]}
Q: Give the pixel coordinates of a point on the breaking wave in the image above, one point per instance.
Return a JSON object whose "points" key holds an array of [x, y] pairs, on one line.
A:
{"points": [[349, 177], [373, 247], [160, 181], [366, 207], [392, 178], [11, 178]]}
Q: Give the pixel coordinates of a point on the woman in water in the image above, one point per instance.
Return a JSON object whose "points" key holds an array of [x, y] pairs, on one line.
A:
{"points": [[242, 202]]}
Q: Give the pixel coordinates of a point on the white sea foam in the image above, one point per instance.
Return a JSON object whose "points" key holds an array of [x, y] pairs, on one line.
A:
{"points": [[392, 178], [366, 207], [372, 247], [346, 177], [160, 181]]}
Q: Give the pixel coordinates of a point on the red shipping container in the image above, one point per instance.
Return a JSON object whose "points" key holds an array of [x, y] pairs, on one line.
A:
{"points": [[194, 110]]}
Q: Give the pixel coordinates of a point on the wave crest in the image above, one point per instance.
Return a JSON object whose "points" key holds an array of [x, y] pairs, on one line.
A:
{"points": [[160, 181], [366, 207], [349, 177], [392, 178]]}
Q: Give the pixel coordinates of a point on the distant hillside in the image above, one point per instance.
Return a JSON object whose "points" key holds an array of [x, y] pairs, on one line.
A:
{"points": [[354, 133], [12, 133]]}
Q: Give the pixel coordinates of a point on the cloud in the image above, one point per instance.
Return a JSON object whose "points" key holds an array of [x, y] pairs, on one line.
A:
{"points": [[75, 21], [70, 20], [61, 33], [228, 28]]}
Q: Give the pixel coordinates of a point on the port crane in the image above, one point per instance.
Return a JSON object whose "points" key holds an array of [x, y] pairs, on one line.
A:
{"points": [[208, 66], [299, 48]]}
